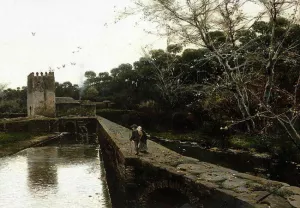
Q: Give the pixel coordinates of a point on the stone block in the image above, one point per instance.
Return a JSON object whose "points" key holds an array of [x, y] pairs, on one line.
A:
{"points": [[276, 202], [234, 183]]}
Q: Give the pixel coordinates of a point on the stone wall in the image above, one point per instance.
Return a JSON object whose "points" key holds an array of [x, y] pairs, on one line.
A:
{"points": [[41, 94], [75, 109], [132, 179], [88, 109], [65, 109], [48, 124], [12, 115], [114, 163], [19, 126], [34, 125]]}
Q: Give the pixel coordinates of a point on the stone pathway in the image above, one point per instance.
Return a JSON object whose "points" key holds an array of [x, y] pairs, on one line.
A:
{"points": [[256, 191]]}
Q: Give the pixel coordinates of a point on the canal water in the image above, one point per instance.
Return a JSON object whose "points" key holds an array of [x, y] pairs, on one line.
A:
{"points": [[260, 166], [54, 176]]}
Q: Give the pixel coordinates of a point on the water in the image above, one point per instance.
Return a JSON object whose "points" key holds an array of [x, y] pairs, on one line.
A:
{"points": [[51, 176], [262, 167]]}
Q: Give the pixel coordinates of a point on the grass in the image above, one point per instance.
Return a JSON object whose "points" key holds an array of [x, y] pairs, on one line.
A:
{"points": [[250, 143], [11, 143], [24, 119], [9, 138], [240, 141], [189, 136], [11, 120]]}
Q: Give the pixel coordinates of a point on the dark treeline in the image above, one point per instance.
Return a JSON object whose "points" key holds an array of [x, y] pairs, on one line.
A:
{"points": [[225, 101], [15, 100]]}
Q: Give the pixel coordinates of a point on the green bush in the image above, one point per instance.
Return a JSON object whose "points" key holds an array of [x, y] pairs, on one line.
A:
{"points": [[149, 106], [11, 106], [260, 143], [126, 117], [83, 110]]}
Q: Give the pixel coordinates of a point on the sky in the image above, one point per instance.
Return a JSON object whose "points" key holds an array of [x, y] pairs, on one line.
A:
{"points": [[38, 34]]}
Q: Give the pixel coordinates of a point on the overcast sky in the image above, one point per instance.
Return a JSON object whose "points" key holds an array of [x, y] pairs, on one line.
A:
{"points": [[38, 34], [59, 27]]}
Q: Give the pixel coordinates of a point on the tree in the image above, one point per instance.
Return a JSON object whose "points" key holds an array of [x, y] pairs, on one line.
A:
{"points": [[248, 65], [90, 74], [2, 87], [174, 48], [67, 89], [170, 79], [90, 93], [13, 100], [121, 70]]}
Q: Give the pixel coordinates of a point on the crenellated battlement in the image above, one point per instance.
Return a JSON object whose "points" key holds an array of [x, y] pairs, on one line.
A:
{"points": [[40, 81], [41, 74]]}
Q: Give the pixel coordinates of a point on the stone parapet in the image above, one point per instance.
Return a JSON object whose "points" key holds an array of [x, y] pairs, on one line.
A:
{"points": [[205, 184]]}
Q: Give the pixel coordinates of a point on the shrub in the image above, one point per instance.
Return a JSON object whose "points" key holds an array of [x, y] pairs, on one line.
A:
{"points": [[260, 143], [125, 117], [149, 106]]}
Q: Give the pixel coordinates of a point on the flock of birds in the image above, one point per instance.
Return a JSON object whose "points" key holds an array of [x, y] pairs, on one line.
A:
{"points": [[63, 65]]}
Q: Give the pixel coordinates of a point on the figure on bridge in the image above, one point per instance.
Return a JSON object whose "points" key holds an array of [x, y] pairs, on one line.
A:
{"points": [[143, 140], [135, 137], [139, 137]]}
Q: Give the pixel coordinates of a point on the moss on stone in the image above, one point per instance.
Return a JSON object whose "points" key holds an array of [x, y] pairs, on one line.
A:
{"points": [[8, 138]]}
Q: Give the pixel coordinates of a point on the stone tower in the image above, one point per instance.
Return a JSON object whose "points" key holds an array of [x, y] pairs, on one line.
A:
{"points": [[41, 94]]}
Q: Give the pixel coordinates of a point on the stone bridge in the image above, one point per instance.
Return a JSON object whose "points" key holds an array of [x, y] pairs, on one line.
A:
{"points": [[163, 176]]}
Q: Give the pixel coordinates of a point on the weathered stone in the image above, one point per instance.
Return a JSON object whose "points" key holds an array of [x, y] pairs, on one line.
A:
{"points": [[41, 94], [233, 183], [193, 178], [208, 185], [276, 202], [193, 168], [261, 180], [292, 194], [259, 195], [294, 200], [215, 176], [290, 189], [242, 189]]}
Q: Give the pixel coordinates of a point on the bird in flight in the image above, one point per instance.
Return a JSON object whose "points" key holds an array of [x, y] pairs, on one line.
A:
{"points": [[58, 67], [73, 63], [33, 33], [79, 47], [63, 65]]}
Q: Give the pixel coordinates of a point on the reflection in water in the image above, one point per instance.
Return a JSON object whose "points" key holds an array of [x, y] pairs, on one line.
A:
{"points": [[53, 177], [41, 169]]}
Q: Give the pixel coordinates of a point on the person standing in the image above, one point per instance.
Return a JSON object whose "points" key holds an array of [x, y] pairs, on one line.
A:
{"points": [[135, 137], [143, 140]]}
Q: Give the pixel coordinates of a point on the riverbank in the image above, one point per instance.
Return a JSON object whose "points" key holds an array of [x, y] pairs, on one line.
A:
{"points": [[11, 143]]}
